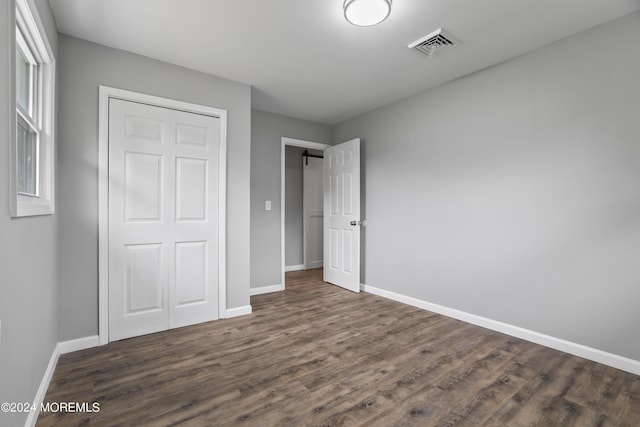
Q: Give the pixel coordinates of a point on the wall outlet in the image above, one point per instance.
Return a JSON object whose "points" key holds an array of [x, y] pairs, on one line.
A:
{"points": [[267, 205]]}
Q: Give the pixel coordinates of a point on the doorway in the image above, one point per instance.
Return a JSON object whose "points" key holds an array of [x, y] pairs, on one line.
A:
{"points": [[297, 245]]}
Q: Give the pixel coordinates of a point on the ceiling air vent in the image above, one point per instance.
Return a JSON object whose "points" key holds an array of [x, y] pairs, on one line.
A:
{"points": [[435, 42]]}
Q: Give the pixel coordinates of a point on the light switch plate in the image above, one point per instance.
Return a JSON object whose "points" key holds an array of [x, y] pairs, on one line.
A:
{"points": [[267, 205]]}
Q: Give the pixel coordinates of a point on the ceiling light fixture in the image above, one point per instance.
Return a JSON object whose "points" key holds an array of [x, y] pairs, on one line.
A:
{"points": [[365, 13]]}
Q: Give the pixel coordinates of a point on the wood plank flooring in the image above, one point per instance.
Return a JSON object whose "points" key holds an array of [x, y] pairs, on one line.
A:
{"points": [[317, 355]]}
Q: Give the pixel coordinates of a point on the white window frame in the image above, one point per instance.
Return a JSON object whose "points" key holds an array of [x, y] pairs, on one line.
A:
{"points": [[29, 31]]}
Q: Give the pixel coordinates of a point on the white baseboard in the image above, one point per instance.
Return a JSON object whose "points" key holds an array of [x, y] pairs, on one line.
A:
{"points": [[609, 359], [314, 264], [293, 268], [238, 311], [44, 386], [60, 348], [266, 289], [78, 344]]}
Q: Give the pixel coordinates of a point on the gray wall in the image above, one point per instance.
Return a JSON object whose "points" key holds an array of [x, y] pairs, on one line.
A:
{"points": [[28, 287], [514, 193], [293, 214], [83, 67], [267, 130]]}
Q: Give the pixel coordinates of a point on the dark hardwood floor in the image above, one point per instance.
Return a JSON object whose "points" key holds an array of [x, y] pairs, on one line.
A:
{"points": [[318, 355]]}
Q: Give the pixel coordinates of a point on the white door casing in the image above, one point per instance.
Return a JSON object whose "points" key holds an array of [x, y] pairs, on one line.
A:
{"points": [[312, 211], [342, 215], [163, 250]]}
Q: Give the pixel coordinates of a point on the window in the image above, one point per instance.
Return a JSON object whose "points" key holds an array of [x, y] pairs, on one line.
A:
{"points": [[33, 148]]}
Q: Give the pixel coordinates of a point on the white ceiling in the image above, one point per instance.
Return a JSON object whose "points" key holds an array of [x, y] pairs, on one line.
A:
{"points": [[304, 60]]}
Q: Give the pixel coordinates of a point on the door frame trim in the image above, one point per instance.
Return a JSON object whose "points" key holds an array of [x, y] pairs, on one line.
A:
{"points": [[105, 93], [294, 143]]}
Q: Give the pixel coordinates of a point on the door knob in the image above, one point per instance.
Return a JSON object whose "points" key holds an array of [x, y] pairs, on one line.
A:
{"points": [[355, 223]]}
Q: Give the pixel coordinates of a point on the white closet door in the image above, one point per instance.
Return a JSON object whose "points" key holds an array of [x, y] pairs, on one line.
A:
{"points": [[163, 218]]}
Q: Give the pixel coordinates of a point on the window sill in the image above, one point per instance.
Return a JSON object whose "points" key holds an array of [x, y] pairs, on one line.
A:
{"points": [[32, 208]]}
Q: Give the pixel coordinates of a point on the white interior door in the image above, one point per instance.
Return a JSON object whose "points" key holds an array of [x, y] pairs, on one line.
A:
{"points": [[163, 218], [342, 215], [312, 211]]}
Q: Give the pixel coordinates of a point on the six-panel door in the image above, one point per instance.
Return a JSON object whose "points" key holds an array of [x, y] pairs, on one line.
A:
{"points": [[163, 218], [342, 215]]}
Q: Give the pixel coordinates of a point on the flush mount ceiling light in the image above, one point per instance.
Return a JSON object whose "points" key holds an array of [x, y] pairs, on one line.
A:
{"points": [[365, 13]]}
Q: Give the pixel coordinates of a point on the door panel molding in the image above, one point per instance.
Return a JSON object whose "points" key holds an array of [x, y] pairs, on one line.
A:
{"points": [[190, 136]]}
